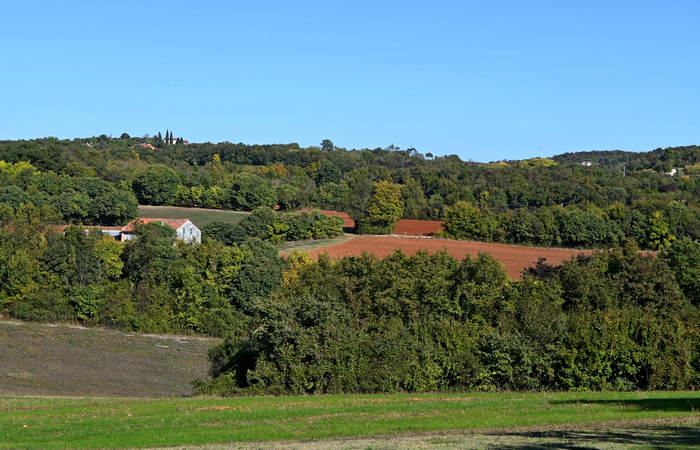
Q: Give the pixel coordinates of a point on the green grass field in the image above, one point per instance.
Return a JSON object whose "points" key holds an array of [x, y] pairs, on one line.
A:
{"points": [[313, 244], [198, 216], [42, 422]]}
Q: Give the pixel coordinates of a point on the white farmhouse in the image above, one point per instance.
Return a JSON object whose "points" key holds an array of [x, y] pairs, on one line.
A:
{"points": [[185, 229]]}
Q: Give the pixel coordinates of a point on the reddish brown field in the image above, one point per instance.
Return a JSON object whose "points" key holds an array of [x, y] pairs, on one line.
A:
{"points": [[515, 258], [406, 227]]}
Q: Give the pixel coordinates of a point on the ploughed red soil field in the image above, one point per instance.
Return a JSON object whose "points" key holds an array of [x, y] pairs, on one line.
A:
{"points": [[406, 227], [515, 258]]}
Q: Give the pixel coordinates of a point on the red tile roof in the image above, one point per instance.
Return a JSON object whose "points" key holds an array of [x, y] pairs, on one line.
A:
{"points": [[174, 223], [61, 228]]}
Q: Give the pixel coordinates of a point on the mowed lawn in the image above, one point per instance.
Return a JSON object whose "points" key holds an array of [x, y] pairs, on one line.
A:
{"points": [[120, 422], [198, 216]]}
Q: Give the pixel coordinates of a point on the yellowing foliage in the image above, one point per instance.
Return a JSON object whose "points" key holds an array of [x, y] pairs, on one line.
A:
{"points": [[11, 170], [538, 162], [298, 260]]}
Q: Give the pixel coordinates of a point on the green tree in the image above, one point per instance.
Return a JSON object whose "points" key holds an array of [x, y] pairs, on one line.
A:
{"points": [[385, 207], [360, 183], [466, 221], [327, 173], [683, 256], [660, 235], [156, 186], [414, 198], [148, 257], [108, 252], [249, 192], [333, 196]]}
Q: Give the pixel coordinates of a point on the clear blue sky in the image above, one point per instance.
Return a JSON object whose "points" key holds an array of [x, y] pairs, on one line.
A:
{"points": [[486, 80]]}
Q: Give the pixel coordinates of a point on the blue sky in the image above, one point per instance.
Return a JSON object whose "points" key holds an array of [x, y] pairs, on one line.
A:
{"points": [[484, 80]]}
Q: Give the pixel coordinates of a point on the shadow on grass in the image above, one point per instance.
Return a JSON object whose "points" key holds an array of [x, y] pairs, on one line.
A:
{"points": [[655, 436], [579, 437], [680, 404]]}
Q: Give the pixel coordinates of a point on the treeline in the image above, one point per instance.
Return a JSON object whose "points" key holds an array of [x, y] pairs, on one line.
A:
{"points": [[661, 159], [70, 199], [377, 186], [265, 224], [573, 226], [614, 320]]}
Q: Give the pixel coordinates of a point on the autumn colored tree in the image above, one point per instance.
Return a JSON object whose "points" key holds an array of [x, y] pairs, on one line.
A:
{"points": [[384, 209]]}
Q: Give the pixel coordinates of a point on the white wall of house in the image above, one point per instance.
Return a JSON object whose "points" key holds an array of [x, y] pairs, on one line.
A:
{"points": [[114, 233], [127, 236], [189, 233]]}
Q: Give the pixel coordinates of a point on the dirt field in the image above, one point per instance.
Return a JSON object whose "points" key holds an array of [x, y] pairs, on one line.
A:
{"points": [[407, 227], [42, 359], [515, 258]]}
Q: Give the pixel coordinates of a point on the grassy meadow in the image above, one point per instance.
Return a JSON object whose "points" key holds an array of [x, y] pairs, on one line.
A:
{"points": [[45, 422], [313, 244], [62, 359], [198, 216]]}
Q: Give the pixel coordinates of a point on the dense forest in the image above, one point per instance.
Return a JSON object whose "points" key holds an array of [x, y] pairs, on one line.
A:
{"points": [[541, 201], [617, 319]]}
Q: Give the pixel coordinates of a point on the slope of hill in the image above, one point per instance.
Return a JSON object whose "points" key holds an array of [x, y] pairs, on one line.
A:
{"points": [[63, 359]]}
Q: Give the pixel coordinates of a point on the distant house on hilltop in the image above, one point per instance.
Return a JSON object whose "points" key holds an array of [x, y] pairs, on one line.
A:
{"points": [[172, 141], [184, 229]]}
